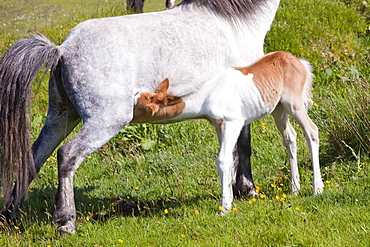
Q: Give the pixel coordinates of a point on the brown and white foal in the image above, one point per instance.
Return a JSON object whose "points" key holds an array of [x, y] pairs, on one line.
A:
{"points": [[278, 84]]}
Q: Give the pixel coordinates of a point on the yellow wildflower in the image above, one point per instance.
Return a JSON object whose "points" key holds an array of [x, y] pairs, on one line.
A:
{"points": [[235, 209], [166, 211], [120, 240], [196, 212]]}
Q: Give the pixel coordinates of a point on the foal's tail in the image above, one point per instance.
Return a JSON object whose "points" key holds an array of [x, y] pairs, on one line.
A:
{"points": [[18, 67], [308, 83]]}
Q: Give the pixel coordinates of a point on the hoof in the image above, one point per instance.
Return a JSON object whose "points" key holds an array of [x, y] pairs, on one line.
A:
{"points": [[244, 188], [224, 212], [253, 193], [67, 229], [318, 191]]}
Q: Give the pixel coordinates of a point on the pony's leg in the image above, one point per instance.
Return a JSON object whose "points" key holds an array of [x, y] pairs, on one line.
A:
{"points": [[228, 138], [94, 133], [136, 5], [61, 118], [130, 4], [289, 141], [170, 4], [242, 172], [311, 134]]}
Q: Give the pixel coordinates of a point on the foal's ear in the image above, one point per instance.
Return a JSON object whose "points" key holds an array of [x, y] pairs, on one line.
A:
{"points": [[153, 107], [163, 86]]}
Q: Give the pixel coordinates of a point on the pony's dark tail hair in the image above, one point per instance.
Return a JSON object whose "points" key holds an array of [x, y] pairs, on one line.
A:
{"points": [[18, 67]]}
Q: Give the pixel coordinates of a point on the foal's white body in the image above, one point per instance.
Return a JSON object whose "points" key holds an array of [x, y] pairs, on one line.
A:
{"points": [[234, 99], [237, 102]]}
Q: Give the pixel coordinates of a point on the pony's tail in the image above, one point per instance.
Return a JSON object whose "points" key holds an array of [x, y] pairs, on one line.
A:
{"points": [[308, 83], [18, 67]]}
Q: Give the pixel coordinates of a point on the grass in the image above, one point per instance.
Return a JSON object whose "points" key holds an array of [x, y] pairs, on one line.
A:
{"points": [[169, 170]]}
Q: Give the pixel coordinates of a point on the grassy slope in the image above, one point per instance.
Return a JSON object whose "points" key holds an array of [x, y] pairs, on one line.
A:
{"points": [[177, 183]]}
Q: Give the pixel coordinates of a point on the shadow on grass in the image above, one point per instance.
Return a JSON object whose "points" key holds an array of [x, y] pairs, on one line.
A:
{"points": [[40, 205]]}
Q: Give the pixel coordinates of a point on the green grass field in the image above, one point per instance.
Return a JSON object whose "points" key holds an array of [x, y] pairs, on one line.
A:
{"points": [[169, 170]]}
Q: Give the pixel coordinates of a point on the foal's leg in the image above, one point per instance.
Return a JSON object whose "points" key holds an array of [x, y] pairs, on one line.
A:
{"points": [[241, 173], [311, 134], [228, 138], [289, 141]]}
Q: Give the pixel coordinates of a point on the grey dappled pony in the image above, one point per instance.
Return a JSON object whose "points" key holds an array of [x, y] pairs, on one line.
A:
{"points": [[95, 74]]}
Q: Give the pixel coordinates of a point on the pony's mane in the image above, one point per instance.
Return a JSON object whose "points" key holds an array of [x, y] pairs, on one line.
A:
{"points": [[231, 10]]}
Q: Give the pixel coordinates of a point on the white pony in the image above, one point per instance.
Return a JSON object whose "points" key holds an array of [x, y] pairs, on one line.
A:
{"points": [[278, 84], [97, 71]]}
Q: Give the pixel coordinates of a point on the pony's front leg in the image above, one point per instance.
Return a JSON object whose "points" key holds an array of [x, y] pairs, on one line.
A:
{"points": [[230, 131], [243, 183]]}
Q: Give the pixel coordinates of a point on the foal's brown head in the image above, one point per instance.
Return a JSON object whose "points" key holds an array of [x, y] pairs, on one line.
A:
{"points": [[158, 105]]}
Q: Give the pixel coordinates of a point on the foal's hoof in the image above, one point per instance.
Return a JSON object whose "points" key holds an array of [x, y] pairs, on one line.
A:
{"points": [[223, 211], [67, 229]]}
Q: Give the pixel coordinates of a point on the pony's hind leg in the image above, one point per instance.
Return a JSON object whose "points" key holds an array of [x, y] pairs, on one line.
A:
{"points": [[289, 140], [94, 133], [311, 134], [61, 119]]}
